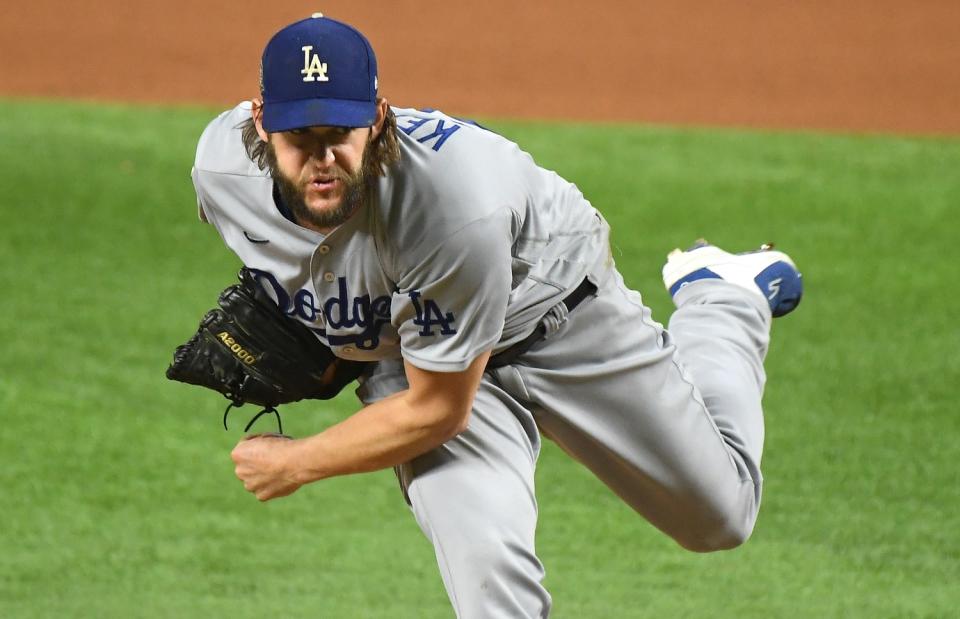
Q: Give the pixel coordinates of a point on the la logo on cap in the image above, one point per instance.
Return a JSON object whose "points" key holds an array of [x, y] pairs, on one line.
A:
{"points": [[313, 70]]}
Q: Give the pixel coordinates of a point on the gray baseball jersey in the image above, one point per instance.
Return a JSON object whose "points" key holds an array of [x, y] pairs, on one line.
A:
{"points": [[465, 245]]}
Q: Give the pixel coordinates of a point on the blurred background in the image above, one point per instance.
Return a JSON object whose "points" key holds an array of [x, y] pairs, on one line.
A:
{"points": [[865, 65]]}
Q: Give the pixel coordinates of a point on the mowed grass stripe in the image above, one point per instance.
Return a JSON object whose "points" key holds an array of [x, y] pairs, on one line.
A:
{"points": [[122, 500]]}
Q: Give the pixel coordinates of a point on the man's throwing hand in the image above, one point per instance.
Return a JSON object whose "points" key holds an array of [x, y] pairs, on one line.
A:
{"points": [[261, 461]]}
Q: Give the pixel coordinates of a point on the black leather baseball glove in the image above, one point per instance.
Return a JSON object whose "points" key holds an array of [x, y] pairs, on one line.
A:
{"points": [[249, 351]]}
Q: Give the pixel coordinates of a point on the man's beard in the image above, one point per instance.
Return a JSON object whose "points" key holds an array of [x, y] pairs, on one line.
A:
{"points": [[294, 197]]}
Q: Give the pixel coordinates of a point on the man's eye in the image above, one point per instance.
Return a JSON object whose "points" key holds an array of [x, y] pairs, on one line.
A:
{"points": [[301, 131]]}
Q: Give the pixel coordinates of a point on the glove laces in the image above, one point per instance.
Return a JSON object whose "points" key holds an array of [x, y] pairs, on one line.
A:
{"points": [[266, 410]]}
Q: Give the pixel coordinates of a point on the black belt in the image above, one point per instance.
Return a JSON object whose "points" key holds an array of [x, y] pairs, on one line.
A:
{"points": [[508, 356]]}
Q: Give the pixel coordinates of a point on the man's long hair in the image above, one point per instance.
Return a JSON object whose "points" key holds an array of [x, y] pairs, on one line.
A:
{"points": [[382, 152]]}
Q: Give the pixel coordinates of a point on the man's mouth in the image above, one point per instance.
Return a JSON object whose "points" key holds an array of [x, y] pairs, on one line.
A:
{"points": [[323, 183]]}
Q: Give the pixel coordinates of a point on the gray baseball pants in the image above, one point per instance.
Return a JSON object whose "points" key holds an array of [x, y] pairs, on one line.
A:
{"points": [[670, 420]]}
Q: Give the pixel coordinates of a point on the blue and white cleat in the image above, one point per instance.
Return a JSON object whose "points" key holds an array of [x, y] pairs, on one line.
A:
{"points": [[770, 274]]}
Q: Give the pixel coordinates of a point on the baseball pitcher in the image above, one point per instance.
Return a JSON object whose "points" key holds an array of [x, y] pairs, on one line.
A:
{"points": [[475, 295]]}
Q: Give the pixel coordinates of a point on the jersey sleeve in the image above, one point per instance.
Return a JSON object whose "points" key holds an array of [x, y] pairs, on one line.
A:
{"points": [[221, 155], [451, 302], [201, 212]]}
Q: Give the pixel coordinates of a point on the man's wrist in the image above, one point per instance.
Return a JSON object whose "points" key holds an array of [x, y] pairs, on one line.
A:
{"points": [[299, 462]]}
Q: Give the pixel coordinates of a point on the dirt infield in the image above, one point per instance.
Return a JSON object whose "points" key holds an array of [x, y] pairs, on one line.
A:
{"points": [[863, 65]]}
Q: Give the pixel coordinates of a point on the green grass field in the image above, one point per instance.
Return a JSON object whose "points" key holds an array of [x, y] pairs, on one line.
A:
{"points": [[119, 495]]}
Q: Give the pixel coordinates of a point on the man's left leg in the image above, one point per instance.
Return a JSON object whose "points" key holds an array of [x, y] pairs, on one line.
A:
{"points": [[670, 421]]}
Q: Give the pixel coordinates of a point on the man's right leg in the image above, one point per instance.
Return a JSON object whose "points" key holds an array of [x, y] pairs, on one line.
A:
{"points": [[473, 498]]}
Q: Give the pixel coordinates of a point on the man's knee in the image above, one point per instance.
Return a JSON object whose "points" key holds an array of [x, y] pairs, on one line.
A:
{"points": [[722, 535], [719, 526]]}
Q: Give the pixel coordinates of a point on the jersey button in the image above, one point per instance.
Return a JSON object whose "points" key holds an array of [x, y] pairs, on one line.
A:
{"points": [[328, 276], [348, 349], [324, 249]]}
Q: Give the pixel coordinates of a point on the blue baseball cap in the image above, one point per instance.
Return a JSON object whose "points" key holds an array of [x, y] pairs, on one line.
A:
{"points": [[318, 71]]}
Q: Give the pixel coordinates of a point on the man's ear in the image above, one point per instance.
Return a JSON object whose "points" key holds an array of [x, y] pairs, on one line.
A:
{"points": [[377, 127], [257, 114]]}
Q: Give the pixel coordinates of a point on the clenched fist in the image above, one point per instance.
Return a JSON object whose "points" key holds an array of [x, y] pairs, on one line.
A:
{"points": [[263, 464]]}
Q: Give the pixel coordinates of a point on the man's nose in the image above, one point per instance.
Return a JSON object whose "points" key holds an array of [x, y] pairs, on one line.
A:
{"points": [[322, 153]]}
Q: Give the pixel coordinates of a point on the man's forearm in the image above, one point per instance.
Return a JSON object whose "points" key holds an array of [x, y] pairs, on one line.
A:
{"points": [[434, 409], [394, 430], [381, 435]]}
